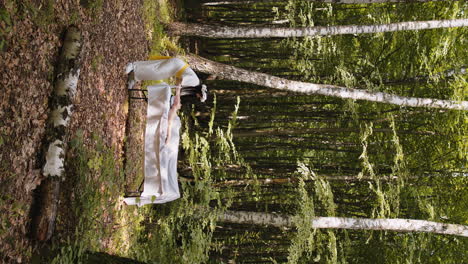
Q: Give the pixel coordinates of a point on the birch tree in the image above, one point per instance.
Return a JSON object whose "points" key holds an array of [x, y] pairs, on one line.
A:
{"points": [[215, 31], [397, 224], [227, 72], [231, 2], [61, 106], [293, 180]]}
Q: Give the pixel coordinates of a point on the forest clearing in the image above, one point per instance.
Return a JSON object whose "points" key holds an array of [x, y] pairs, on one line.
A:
{"points": [[334, 132]]}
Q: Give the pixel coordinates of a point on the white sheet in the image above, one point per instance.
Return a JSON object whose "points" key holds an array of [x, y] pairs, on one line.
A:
{"points": [[160, 184]]}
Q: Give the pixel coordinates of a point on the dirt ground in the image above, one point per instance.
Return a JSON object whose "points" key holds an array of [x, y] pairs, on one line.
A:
{"points": [[31, 32]]}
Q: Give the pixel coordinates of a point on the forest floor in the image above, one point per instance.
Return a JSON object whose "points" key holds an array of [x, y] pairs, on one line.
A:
{"points": [[105, 150]]}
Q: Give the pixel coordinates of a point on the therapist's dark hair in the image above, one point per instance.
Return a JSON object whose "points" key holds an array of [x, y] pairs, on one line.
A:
{"points": [[193, 91]]}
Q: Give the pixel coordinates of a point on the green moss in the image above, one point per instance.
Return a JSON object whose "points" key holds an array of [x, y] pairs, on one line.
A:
{"points": [[96, 62], [42, 15], [97, 183], [5, 27], [93, 6]]}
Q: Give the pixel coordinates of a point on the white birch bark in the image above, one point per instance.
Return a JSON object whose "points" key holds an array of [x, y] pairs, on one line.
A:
{"points": [[230, 2], [398, 225], [61, 104], [214, 31], [227, 72], [290, 180], [43, 221]]}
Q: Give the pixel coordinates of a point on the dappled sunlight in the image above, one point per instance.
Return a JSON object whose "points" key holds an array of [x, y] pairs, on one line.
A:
{"points": [[328, 148]]}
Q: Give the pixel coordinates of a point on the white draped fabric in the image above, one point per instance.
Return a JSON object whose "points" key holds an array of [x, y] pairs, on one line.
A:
{"points": [[160, 184], [163, 69]]}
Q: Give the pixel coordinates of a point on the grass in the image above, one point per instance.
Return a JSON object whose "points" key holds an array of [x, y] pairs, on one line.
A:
{"points": [[90, 199], [17, 210], [171, 234], [42, 15], [94, 218], [5, 27], [96, 62], [134, 144], [94, 7]]}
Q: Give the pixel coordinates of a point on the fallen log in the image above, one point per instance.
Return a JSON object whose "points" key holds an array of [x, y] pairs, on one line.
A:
{"points": [[55, 143]]}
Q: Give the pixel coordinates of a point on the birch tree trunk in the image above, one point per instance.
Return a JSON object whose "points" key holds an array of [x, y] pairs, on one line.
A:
{"points": [[399, 225], [276, 131], [287, 180], [293, 180], [214, 31], [68, 72], [227, 72], [230, 2]]}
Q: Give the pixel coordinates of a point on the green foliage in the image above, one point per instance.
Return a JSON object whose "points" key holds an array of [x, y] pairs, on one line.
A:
{"points": [[5, 27], [406, 159], [410, 248], [410, 161], [42, 15], [387, 198], [72, 252], [176, 234], [97, 185], [224, 140], [398, 168], [156, 14], [389, 62], [304, 241], [96, 62], [15, 209], [212, 116], [310, 244], [366, 164], [324, 192]]}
